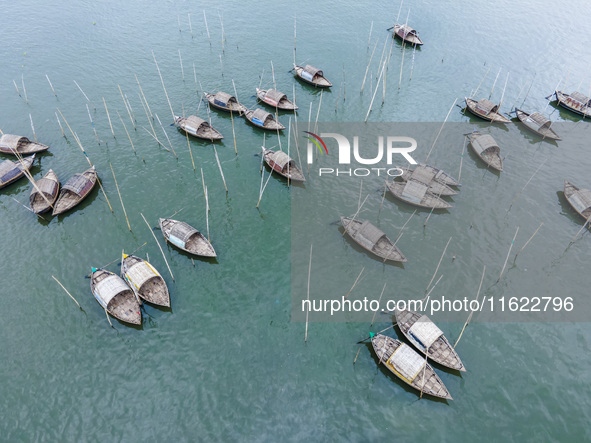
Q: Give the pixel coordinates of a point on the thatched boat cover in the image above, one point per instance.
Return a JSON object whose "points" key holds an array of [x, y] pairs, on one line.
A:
{"points": [[181, 233], [79, 184], [581, 98], [194, 123], [140, 273], [310, 71], [13, 142], [275, 95], [407, 362], [424, 175], [581, 200], [407, 29], [8, 170], [425, 331], [110, 287], [281, 159], [368, 235], [223, 99], [486, 106], [259, 116], [539, 120], [46, 186], [414, 191], [483, 142]]}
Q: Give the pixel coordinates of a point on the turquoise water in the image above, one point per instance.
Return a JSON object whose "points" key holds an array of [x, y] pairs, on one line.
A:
{"points": [[226, 362]]}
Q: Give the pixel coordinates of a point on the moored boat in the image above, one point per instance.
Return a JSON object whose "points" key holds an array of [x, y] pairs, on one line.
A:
{"points": [[575, 102], [19, 145], [281, 163], [12, 171], [197, 127], [428, 176], [579, 199], [409, 366], [372, 239], [537, 123], [75, 190], [186, 237], [487, 149], [144, 280], [115, 296], [312, 75], [225, 102], [45, 193], [487, 110], [428, 338], [276, 99], [262, 119], [407, 34], [417, 194], [439, 175]]}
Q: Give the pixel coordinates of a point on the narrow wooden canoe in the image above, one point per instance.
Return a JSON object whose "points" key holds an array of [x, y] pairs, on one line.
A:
{"points": [[409, 366], [427, 176], [275, 99], [262, 119], [115, 296], [438, 174], [537, 123], [407, 34], [428, 338], [579, 199], [284, 165], [487, 149], [312, 75], [575, 102], [12, 171], [75, 190], [17, 144], [197, 127], [186, 237], [372, 239], [44, 195], [225, 102], [417, 194], [486, 110], [144, 280]]}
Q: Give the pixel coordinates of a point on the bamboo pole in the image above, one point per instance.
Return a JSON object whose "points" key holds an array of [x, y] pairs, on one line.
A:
{"points": [[156, 138], [190, 152], [462, 158], [481, 81], [383, 197], [431, 290], [29, 209], [67, 292], [294, 39], [268, 178], [308, 297], [402, 63], [33, 127], [149, 119], [131, 109], [159, 247], [120, 198], [221, 65], [181, 61], [203, 183], [17, 91], [403, 226], [318, 112], [580, 230], [163, 87], [207, 212], [233, 132], [223, 33], [494, 83], [438, 264], [376, 90], [508, 253], [471, 312], [430, 212], [369, 63], [386, 72], [166, 135], [47, 77], [529, 89], [87, 159], [358, 210], [109, 118], [190, 26], [220, 166], [92, 123], [85, 96], [24, 89], [357, 355], [206, 27], [126, 131], [504, 88], [440, 129], [379, 301], [355, 283], [369, 38], [142, 93], [60, 125], [527, 183], [527, 242], [195, 77]]}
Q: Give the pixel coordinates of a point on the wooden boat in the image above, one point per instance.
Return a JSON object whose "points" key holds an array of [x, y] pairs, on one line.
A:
{"points": [[575, 102], [407, 34], [44, 195], [487, 149], [12, 171], [16, 144], [144, 280], [312, 75], [486, 110], [372, 239], [409, 366], [115, 296], [537, 123], [579, 199], [276, 99], [197, 127], [186, 237], [225, 102], [428, 338], [263, 119], [281, 163], [75, 190], [417, 194], [439, 175], [427, 175]]}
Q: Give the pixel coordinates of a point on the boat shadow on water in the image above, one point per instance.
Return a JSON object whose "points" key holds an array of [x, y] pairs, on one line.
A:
{"points": [[568, 211], [533, 138], [409, 208], [482, 125], [173, 249], [481, 165], [359, 249], [87, 201]]}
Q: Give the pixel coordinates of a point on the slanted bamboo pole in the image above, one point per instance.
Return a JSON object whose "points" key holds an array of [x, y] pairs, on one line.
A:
{"points": [[120, 198], [220, 167], [126, 131], [163, 87], [508, 253], [92, 123], [355, 283], [67, 292], [308, 297], [462, 158], [403, 226], [440, 129], [368, 63], [207, 212], [29, 209], [60, 125], [206, 27], [33, 127], [85, 96], [527, 242], [438, 264], [109, 117], [580, 230], [156, 138], [190, 26], [471, 312], [494, 83], [481, 81], [24, 89], [159, 247], [47, 77], [166, 135], [181, 61], [190, 152], [379, 301], [375, 91], [527, 183], [17, 91]]}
